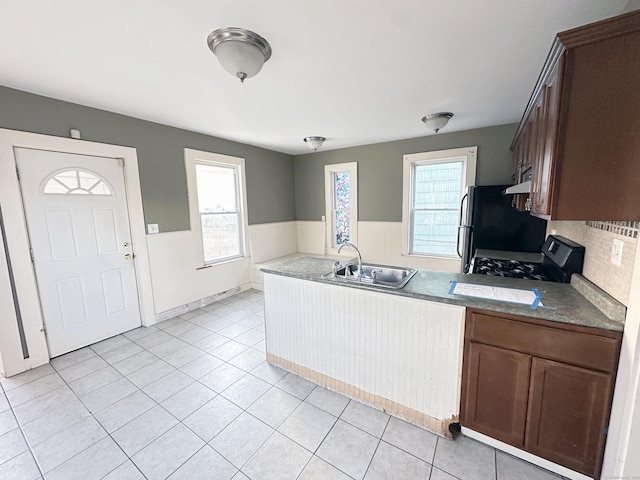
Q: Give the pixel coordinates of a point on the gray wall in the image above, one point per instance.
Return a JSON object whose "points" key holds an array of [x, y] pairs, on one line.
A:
{"points": [[270, 182], [380, 170], [279, 187]]}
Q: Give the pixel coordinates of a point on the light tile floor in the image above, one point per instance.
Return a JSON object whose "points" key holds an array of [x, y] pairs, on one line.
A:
{"points": [[193, 398]]}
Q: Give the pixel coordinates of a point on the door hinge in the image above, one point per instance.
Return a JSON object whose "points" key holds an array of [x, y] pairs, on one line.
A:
{"points": [[31, 255], [44, 329], [121, 162]]}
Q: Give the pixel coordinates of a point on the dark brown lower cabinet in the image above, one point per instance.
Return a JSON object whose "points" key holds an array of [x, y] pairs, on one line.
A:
{"points": [[498, 385], [541, 386], [568, 410]]}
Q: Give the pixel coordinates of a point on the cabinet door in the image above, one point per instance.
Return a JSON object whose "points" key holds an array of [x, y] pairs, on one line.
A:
{"points": [[568, 412], [539, 190], [495, 390], [544, 166]]}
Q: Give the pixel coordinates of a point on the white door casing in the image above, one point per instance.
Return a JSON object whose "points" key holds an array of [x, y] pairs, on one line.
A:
{"points": [[17, 247], [76, 212]]}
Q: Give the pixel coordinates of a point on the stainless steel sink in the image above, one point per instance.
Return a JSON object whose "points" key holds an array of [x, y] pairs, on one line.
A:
{"points": [[378, 275]]}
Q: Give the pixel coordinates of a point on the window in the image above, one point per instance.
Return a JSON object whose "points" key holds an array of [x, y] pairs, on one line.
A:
{"points": [[216, 200], [434, 183], [341, 198], [76, 182]]}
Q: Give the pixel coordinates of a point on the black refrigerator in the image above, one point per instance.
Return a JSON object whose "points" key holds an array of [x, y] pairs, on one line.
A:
{"points": [[488, 221]]}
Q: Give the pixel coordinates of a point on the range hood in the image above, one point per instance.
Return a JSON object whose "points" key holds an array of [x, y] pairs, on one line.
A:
{"points": [[524, 187]]}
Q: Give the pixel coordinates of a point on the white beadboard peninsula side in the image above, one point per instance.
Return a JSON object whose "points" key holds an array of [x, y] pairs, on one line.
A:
{"points": [[401, 355]]}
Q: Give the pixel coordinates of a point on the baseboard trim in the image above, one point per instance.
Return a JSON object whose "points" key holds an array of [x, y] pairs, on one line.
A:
{"points": [[203, 302]]}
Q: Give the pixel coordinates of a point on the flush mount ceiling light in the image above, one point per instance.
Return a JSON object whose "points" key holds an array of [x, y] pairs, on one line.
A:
{"points": [[436, 121], [240, 52], [314, 142]]}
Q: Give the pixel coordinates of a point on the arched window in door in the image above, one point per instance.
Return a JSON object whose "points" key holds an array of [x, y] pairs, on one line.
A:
{"points": [[76, 182]]}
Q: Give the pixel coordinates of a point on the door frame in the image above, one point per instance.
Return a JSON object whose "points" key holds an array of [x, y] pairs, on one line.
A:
{"points": [[17, 239]]}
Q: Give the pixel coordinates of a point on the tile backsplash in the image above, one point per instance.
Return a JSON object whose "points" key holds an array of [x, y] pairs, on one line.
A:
{"points": [[626, 229], [597, 238]]}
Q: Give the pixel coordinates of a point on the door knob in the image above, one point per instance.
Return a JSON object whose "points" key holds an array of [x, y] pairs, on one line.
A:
{"points": [[128, 256]]}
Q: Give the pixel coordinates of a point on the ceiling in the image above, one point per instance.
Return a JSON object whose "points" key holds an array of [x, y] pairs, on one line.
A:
{"points": [[354, 71]]}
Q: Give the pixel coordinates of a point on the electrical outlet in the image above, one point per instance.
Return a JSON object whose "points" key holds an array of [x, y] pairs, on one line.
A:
{"points": [[153, 228], [616, 252]]}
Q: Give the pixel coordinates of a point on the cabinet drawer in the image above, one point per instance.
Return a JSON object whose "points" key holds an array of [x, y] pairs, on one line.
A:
{"points": [[565, 343]]}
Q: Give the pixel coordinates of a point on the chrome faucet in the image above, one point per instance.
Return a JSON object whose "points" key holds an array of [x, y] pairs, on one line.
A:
{"points": [[347, 244]]}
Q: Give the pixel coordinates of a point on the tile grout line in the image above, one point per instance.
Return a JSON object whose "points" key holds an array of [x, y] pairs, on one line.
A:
{"points": [[157, 404], [92, 414], [281, 423], [380, 439], [243, 410], [30, 447], [180, 422], [19, 427], [101, 426], [274, 429], [140, 389], [377, 446]]}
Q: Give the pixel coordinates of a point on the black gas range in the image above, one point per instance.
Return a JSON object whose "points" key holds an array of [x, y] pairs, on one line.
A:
{"points": [[560, 258]]}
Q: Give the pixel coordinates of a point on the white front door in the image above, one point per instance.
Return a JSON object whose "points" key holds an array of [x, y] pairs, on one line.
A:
{"points": [[78, 224]]}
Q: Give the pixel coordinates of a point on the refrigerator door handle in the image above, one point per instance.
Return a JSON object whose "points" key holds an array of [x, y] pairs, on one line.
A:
{"points": [[461, 227], [464, 197]]}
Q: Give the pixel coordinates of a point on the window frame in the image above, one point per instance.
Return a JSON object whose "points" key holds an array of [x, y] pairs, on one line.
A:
{"points": [[193, 157], [329, 194], [468, 155]]}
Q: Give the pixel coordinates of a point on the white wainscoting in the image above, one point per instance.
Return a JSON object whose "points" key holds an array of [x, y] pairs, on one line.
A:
{"points": [[381, 242], [269, 241], [176, 279], [273, 240], [393, 350], [311, 237], [177, 282]]}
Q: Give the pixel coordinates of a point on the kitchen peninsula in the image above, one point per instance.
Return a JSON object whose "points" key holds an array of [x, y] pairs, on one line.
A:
{"points": [[401, 350]]}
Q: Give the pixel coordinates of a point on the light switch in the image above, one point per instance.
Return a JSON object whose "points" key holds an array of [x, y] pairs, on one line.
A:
{"points": [[616, 252], [153, 228]]}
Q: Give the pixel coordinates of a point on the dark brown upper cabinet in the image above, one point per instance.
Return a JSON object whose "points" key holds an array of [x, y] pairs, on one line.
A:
{"points": [[579, 141]]}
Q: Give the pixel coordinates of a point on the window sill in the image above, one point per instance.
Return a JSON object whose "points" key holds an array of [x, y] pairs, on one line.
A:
{"points": [[433, 255], [224, 262]]}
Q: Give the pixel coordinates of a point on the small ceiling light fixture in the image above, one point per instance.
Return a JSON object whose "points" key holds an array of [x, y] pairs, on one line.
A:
{"points": [[314, 142], [240, 52], [436, 121]]}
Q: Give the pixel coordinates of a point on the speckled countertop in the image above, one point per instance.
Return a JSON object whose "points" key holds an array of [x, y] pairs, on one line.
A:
{"points": [[562, 302]]}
